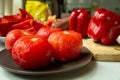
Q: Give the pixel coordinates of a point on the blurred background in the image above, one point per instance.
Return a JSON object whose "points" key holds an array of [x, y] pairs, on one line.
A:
{"points": [[60, 8]]}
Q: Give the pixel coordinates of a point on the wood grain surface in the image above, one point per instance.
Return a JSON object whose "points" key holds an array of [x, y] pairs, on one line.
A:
{"points": [[102, 52]]}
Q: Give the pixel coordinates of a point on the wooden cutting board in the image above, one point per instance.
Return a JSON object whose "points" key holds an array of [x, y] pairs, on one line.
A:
{"points": [[102, 52]]}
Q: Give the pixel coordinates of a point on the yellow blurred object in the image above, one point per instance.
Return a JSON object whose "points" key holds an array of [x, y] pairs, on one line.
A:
{"points": [[39, 10]]}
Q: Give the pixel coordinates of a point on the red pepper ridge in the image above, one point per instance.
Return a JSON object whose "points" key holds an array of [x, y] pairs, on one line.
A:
{"points": [[104, 26], [79, 20]]}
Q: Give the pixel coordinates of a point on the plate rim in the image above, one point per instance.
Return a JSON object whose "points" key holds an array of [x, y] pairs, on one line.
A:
{"points": [[27, 72]]}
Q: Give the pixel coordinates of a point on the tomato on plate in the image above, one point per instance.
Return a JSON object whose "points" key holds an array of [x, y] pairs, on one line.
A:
{"points": [[66, 45], [32, 53], [46, 31], [12, 36]]}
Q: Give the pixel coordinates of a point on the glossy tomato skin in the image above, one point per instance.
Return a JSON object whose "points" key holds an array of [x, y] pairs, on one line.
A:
{"points": [[46, 31], [66, 45], [31, 52], [12, 36]]}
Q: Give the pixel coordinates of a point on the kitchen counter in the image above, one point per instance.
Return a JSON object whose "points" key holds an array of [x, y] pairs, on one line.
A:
{"points": [[95, 70]]}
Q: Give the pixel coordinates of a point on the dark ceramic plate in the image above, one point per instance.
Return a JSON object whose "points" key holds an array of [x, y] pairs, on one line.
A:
{"points": [[8, 64]]}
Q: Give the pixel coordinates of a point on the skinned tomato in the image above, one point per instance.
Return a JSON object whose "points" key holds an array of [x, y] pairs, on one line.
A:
{"points": [[31, 52], [66, 45], [46, 31], [12, 36]]}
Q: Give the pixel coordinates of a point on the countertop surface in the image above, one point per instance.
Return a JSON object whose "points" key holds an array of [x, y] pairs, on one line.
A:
{"points": [[95, 70]]}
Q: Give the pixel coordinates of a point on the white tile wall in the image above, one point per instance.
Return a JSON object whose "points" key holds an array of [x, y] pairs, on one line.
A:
{"points": [[113, 5], [78, 1], [1, 8], [8, 7], [71, 4], [16, 5]]}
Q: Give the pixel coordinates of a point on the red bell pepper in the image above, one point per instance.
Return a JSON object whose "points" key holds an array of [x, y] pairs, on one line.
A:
{"points": [[9, 22], [104, 26], [23, 25], [30, 25], [12, 18], [0, 34], [25, 14], [38, 25], [5, 27], [22, 16], [79, 20]]}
